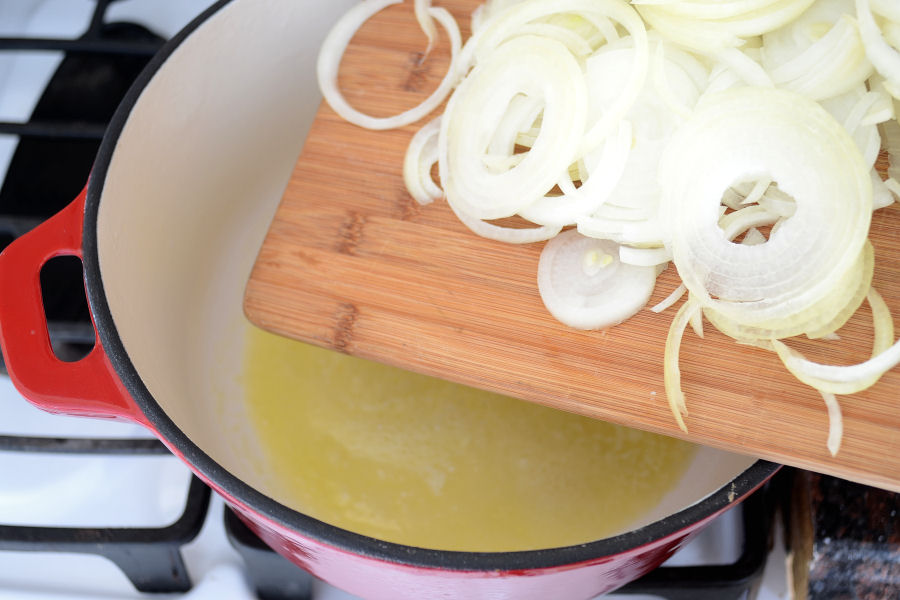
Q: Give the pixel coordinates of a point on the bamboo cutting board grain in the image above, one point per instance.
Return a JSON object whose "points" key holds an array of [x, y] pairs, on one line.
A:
{"points": [[351, 262]]}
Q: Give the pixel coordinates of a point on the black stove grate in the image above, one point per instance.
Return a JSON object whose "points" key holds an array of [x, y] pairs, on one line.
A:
{"points": [[150, 557], [276, 578], [736, 581], [56, 150]]}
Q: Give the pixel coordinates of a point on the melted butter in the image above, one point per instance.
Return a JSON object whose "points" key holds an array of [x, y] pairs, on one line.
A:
{"points": [[420, 461]]}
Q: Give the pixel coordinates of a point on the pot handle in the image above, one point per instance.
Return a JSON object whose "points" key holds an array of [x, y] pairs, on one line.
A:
{"points": [[88, 387]]}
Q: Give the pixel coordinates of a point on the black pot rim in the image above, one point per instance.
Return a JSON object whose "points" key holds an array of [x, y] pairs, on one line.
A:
{"points": [[305, 525]]}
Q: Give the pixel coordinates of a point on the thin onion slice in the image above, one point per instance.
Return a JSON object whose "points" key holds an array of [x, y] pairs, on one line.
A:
{"points": [[812, 252], [884, 57], [835, 423], [671, 368], [670, 300], [584, 285], [421, 156], [644, 257], [537, 67], [849, 379], [814, 65], [332, 51], [507, 24], [426, 22], [721, 24]]}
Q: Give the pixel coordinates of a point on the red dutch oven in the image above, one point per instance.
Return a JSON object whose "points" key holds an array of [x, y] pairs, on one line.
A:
{"points": [[183, 189]]}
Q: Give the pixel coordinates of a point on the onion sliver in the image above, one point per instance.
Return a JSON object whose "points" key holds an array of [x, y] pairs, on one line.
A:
{"points": [[835, 423], [604, 173], [854, 378], [426, 22], [741, 135], [819, 319], [670, 300], [584, 284], [671, 368], [503, 233], [835, 64], [720, 24], [884, 57], [644, 257], [508, 23], [335, 44], [421, 156], [536, 67]]}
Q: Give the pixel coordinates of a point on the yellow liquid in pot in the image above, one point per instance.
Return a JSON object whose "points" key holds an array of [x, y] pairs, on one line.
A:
{"points": [[419, 461]]}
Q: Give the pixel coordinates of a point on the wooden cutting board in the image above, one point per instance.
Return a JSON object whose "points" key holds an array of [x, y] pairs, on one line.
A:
{"points": [[352, 263]]}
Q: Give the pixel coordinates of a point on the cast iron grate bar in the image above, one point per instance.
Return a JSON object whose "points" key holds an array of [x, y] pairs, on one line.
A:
{"points": [[273, 577], [735, 581], [276, 578], [150, 557], [49, 130], [79, 46], [57, 144], [56, 445]]}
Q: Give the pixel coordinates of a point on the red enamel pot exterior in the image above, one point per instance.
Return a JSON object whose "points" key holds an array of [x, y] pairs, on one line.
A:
{"points": [[107, 384]]}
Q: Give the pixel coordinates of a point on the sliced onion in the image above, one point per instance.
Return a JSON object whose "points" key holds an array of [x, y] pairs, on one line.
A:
{"points": [[671, 368], [527, 65], [745, 68], [603, 174], [882, 194], [817, 65], [713, 25], [629, 214], [884, 57], [583, 283], [671, 299], [503, 233], [850, 109], [644, 257], [332, 51], [426, 22], [819, 319], [507, 24], [753, 237], [736, 223], [835, 423], [855, 378], [812, 252], [562, 117], [421, 156]]}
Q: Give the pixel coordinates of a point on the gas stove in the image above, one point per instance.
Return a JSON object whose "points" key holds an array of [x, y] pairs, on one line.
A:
{"points": [[92, 509]]}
